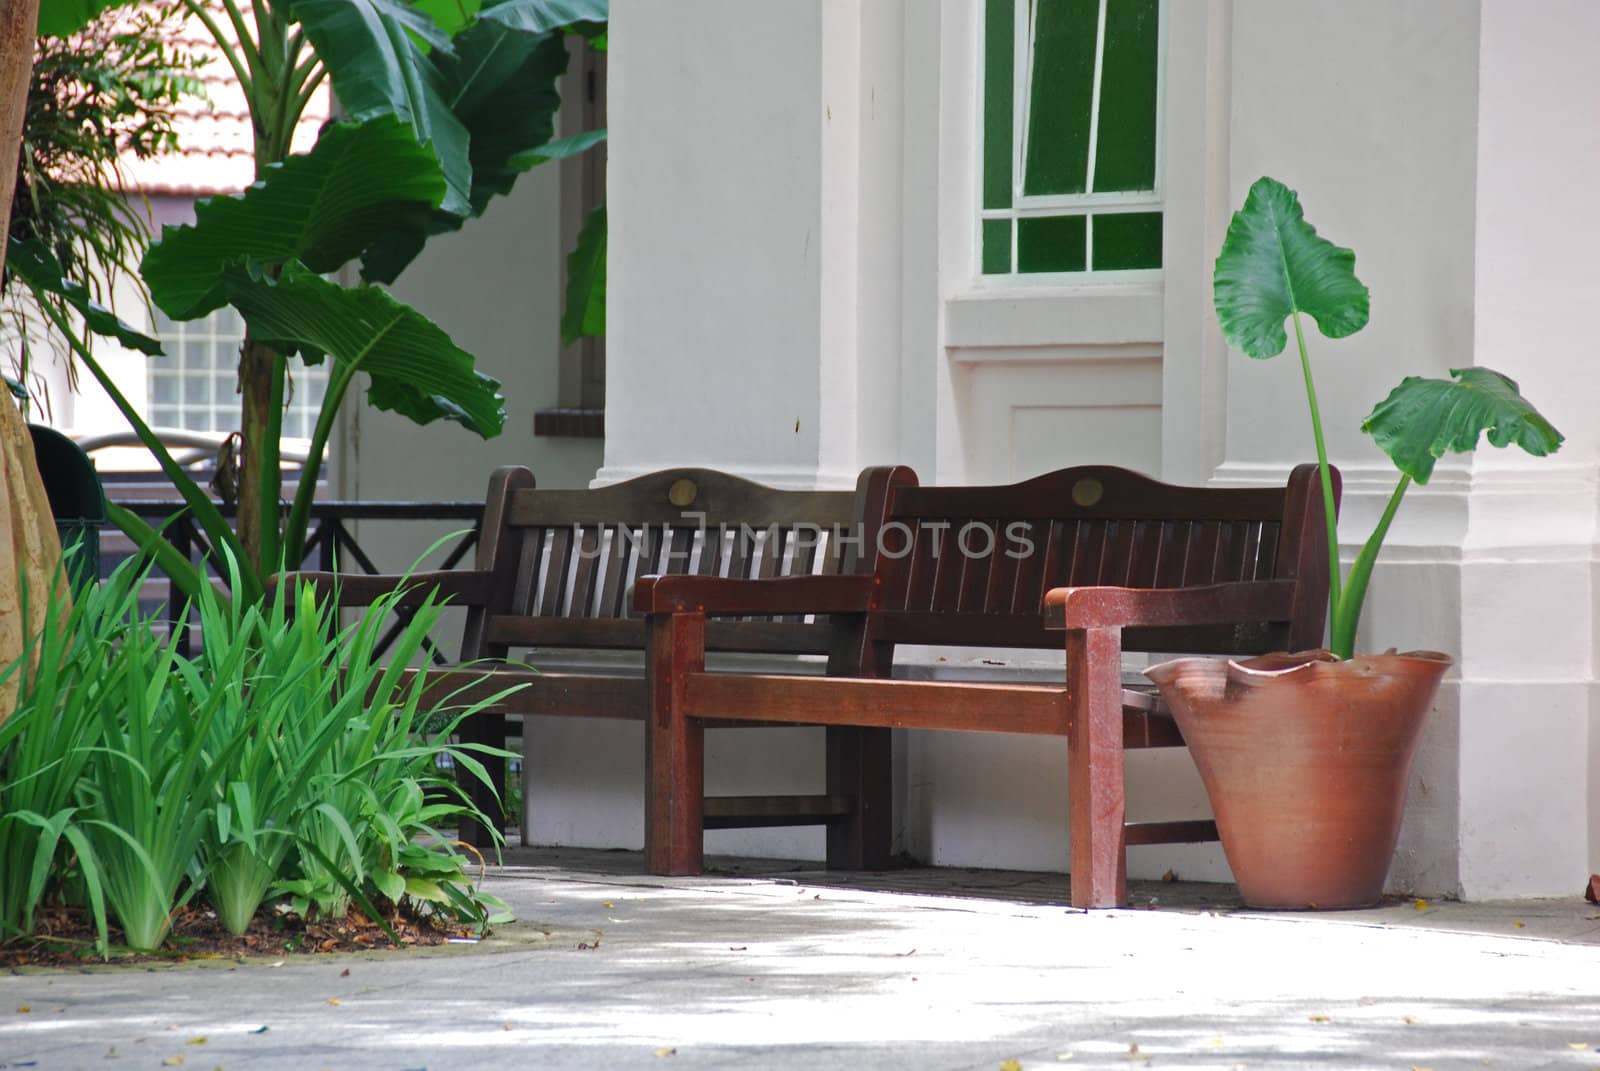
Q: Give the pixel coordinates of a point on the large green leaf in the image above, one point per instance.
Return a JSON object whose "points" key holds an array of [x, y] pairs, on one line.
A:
{"points": [[34, 264], [490, 66], [61, 18], [1272, 264], [377, 55], [586, 281], [1423, 419], [323, 208], [560, 149], [538, 16], [414, 367]]}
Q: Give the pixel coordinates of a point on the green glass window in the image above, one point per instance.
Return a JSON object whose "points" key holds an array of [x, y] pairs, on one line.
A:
{"points": [[1071, 122]]}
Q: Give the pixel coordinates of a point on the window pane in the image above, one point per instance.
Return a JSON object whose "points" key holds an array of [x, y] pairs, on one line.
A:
{"points": [[1126, 241], [996, 246], [1051, 244], [197, 390], [998, 73], [1125, 156], [1062, 90], [164, 390]]}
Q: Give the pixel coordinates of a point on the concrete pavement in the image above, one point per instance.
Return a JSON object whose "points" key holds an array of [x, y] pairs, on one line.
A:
{"points": [[769, 966]]}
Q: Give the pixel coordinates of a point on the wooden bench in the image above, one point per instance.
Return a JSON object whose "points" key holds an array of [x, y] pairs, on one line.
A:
{"points": [[552, 577], [1095, 560]]}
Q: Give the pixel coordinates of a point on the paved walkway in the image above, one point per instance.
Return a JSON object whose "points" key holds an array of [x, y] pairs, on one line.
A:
{"points": [[767, 966]]}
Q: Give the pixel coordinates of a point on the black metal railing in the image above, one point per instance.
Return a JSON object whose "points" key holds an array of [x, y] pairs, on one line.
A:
{"points": [[331, 546]]}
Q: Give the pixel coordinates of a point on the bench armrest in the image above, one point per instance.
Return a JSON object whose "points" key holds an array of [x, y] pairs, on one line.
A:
{"points": [[463, 587], [1215, 604], [781, 595]]}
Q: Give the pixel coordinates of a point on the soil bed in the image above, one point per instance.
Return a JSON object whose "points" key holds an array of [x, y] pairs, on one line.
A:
{"points": [[66, 938]]}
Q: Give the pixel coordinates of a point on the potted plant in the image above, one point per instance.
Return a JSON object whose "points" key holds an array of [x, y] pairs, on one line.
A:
{"points": [[1305, 756]]}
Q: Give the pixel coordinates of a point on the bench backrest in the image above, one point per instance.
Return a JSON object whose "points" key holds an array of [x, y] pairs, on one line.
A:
{"points": [[969, 566], [565, 560]]}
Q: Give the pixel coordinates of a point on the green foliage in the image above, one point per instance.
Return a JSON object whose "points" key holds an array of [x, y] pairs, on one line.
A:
{"points": [[1273, 266], [107, 92], [323, 209], [287, 758], [1423, 419], [586, 281]]}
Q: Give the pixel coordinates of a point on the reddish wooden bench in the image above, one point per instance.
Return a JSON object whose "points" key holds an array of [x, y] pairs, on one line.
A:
{"points": [[1114, 561], [552, 576]]}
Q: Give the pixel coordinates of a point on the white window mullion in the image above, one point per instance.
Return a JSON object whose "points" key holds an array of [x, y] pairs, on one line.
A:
{"points": [[1094, 94], [1026, 22]]}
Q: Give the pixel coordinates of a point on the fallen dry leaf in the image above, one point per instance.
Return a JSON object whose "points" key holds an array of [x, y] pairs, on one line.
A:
{"points": [[1367, 1002], [1577, 1046], [666, 1052], [1409, 1021], [345, 973], [1063, 1056], [1010, 1065], [1592, 893], [334, 1001], [1170, 875], [607, 903], [1518, 925], [173, 1061], [196, 1041], [24, 1009], [507, 1026], [1414, 1067], [1319, 1018], [1421, 905]]}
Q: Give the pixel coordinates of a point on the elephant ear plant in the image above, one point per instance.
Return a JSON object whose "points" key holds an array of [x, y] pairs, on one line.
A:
{"points": [[1273, 267]]}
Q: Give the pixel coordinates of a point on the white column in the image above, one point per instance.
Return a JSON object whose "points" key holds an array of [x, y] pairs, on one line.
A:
{"points": [[1528, 748]]}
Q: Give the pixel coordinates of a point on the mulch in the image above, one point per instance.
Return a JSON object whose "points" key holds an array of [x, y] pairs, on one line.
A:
{"points": [[66, 938]]}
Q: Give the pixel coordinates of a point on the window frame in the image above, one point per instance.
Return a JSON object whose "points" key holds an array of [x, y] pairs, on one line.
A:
{"points": [[1049, 206]]}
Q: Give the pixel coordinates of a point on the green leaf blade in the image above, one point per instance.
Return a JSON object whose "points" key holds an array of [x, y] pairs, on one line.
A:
{"points": [[540, 16], [36, 266], [1423, 419], [1273, 264], [377, 56], [585, 313], [323, 208], [415, 368]]}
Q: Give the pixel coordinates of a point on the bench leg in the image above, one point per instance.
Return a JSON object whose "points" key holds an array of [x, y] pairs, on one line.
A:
{"points": [[859, 766], [1095, 772], [484, 728], [674, 835]]}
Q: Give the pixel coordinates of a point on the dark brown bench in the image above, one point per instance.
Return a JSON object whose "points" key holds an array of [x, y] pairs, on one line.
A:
{"points": [[553, 573], [1097, 560]]}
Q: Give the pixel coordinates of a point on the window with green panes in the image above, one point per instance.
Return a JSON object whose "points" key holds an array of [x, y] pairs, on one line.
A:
{"points": [[1071, 125]]}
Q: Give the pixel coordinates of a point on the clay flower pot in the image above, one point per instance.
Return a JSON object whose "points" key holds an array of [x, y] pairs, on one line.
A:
{"points": [[1305, 759]]}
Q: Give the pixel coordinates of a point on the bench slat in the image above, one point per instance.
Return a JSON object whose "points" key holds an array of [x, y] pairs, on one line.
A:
{"points": [[615, 634]]}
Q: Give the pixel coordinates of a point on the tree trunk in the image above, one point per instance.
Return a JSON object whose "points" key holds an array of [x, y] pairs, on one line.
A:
{"points": [[19, 19], [30, 551]]}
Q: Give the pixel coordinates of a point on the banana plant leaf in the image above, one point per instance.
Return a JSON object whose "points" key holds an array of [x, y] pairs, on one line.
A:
{"points": [[377, 53], [538, 16], [324, 208], [586, 281], [490, 65], [1273, 263], [62, 18], [33, 263], [415, 369], [1423, 419]]}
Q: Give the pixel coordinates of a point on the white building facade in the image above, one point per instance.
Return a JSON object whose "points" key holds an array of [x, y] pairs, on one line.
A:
{"points": [[799, 287]]}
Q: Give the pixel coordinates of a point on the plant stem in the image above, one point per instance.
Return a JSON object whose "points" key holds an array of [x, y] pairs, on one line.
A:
{"points": [[260, 481], [294, 531], [1347, 608], [241, 70], [1329, 509]]}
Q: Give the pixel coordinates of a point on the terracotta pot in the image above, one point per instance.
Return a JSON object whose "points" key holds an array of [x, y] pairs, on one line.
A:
{"points": [[1305, 759]]}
